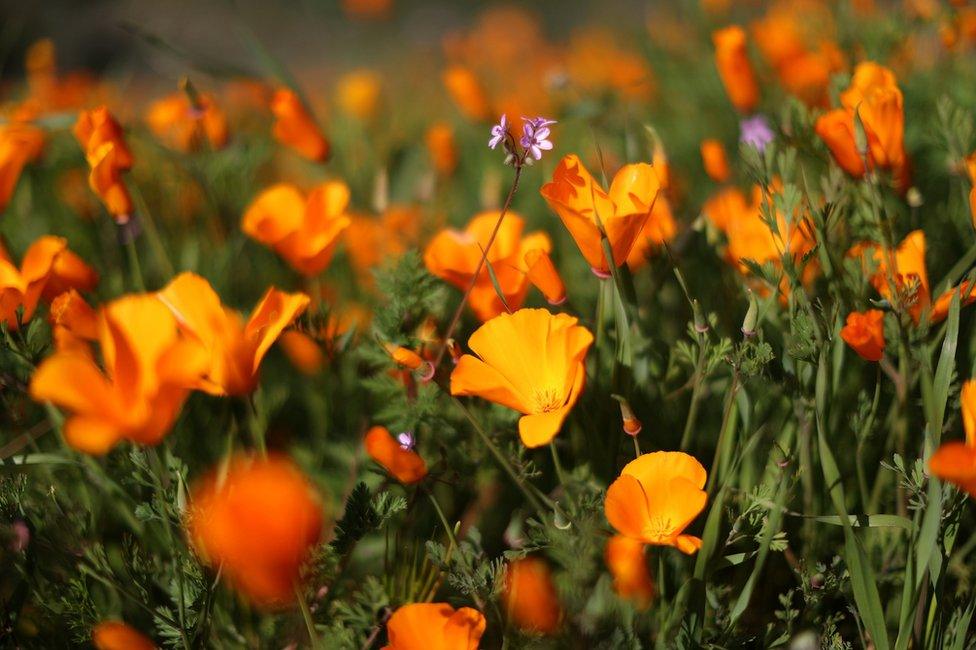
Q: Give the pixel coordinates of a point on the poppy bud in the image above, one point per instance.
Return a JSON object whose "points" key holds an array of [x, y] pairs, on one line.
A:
{"points": [[701, 323], [454, 348], [752, 317], [632, 426]]}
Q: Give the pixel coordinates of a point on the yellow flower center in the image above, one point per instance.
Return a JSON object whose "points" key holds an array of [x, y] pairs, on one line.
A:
{"points": [[547, 399]]}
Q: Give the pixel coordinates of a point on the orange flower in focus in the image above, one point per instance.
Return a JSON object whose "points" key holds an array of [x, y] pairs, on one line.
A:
{"points": [[19, 145], [434, 626], [303, 352], [148, 372], [258, 525], [543, 274], [530, 596], [234, 348], [466, 91], [956, 461], [454, 257], [116, 635], [660, 228], [305, 232], [655, 498], [181, 125], [358, 93], [583, 206], [108, 156], [713, 157], [631, 579], [732, 60], [442, 148], [295, 128], [864, 332], [530, 361], [404, 464]]}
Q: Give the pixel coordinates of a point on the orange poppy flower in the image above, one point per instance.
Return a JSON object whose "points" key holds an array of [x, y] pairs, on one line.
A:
{"points": [[371, 241], [358, 93], [530, 361], [660, 228], [596, 63], [468, 94], [108, 156], [732, 60], [304, 231], [713, 157], [295, 128], [454, 256], [303, 351], [655, 498], [864, 332], [116, 635], [148, 372], [434, 626], [73, 322], [631, 579], [24, 287], [181, 125], [583, 206], [725, 206], [909, 272], [234, 348], [98, 126], [258, 525], [530, 596], [19, 144], [956, 461], [405, 465], [69, 271], [543, 274], [442, 148]]}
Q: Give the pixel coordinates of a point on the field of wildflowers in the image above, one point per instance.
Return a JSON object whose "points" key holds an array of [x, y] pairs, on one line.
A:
{"points": [[640, 326]]}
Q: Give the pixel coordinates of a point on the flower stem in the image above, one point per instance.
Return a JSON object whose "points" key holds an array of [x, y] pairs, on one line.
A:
{"points": [[561, 476], [440, 514], [135, 268], [307, 615]]}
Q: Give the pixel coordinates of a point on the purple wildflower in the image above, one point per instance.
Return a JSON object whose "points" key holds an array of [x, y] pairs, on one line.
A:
{"points": [[756, 132], [498, 132], [406, 440], [535, 136]]}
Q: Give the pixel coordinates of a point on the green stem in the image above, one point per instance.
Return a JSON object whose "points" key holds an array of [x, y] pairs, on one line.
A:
{"points": [[562, 477], [135, 269], [313, 638], [695, 393], [440, 514]]}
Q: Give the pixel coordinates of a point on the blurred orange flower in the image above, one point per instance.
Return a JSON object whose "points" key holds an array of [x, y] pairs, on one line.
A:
{"points": [[19, 144], [442, 148], [530, 361], [148, 372], [584, 206], [732, 60], [468, 94], [405, 465], [258, 524], [303, 351], [295, 128], [864, 332], [371, 241], [181, 125], [434, 626], [713, 157], [631, 579], [955, 461], [454, 257], [358, 93], [656, 497], [530, 596], [234, 348], [108, 156], [73, 322], [596, 63], [304, 231], [367, 9], [116, 635]]}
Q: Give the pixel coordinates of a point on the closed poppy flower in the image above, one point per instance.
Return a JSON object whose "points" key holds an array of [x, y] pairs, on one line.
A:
{"points": [[836, 129], [401, 461], [148, 370], [713, 157], [303, 351], [116, 635], [864, 332], [434, 626], [405, 356], [19, 144], [98, 126], [442, 148], [73, 322], [234, 347], [304, 231], [628, 565], [530, 596], [259, 524], [358, 93], [181, 125], [732, 61], [295, 128], [530, 361], [22, 288], [543, 274], [466, 91], [955, 461], [584, 206], [656, 497], [108, 156], [454, 257]]}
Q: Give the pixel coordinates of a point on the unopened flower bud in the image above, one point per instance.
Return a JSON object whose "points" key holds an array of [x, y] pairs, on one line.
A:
{"points": [[752, 317], [454, 349], [701, 323], [632, 426]]}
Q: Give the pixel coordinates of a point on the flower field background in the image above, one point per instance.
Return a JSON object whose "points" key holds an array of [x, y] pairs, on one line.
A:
{"points": [[430, 326]]}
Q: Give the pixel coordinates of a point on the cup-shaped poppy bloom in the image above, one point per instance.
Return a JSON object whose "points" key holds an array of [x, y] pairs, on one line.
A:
{"points": [[116, 635], [864, 332], [403, 463], [179, 124], [303, 231], [955, 461], [19, 144], [530, 596], [732, 61], [660, 229], [295, 128], [543, 274], [714, 159], [531, 361], [233, 347], [434, 626], [148, 370], [258, 523], [454, 256], [442, 148], [584, 206], [22, 288], [467, 92], [358, 93], [655, 497], [628, 565]]}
